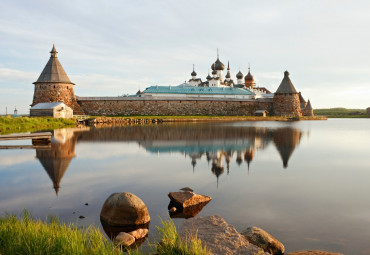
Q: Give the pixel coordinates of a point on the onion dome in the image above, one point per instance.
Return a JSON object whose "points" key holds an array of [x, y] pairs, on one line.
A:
{"points": [[239, 75], [214, 72], [193, 73], [208, 77], [249, 77], [218, 65]]}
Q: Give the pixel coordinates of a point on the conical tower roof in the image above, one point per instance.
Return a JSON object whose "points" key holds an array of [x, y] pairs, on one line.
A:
{"points": [[286, 85], [55, 167], [308, 106], [53, 71]]}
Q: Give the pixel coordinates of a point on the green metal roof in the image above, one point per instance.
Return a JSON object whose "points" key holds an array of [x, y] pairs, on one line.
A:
{"points": [[198, 90]]}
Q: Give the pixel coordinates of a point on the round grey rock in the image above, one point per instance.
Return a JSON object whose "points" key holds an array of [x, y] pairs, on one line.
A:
{"points": [[124, 239], [124, 209]]}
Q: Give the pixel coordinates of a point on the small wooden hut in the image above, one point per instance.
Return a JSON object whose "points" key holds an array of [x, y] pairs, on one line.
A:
{"points": [[54, 109], [262, 113]]}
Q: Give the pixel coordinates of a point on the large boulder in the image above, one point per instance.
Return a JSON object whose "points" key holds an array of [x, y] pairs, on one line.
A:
{"points": [[264, 240], [187, 198], [313, 253], [124, 209], [219, 236]]}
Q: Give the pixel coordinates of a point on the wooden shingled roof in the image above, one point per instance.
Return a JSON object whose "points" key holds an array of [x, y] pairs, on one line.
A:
{"points": [[53, 71], [286, 85]]}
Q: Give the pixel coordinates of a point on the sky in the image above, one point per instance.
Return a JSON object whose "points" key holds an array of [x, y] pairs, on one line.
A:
{"points": [[116, 47]]}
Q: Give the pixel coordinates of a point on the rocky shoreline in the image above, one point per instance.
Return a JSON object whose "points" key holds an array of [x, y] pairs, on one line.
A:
{"points": [[129, 213], [149, 120]]}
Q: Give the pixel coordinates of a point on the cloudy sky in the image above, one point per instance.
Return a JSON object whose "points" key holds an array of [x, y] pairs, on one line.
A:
{"points": [[117, 47]]}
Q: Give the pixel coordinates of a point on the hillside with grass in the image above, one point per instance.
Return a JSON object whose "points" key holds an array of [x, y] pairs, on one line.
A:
{"points": [[341, 113]]}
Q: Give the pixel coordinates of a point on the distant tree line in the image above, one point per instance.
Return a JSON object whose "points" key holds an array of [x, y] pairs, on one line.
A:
{"points": [[342, 112]]}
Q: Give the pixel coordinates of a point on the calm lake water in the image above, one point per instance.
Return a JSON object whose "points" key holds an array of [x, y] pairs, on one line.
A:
{"points": [[306, 182]]}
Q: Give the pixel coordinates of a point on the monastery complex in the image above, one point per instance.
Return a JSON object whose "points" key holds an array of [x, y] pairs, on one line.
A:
{"points": [[216, 95]]}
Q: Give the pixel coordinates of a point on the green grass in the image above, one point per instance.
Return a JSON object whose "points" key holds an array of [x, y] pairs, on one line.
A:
{"points": [[10, 125], [26, 235], [171, 244], [341, 113]]}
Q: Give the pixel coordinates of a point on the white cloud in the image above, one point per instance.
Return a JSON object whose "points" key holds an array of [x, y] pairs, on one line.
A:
{"points": [[7, 74]]}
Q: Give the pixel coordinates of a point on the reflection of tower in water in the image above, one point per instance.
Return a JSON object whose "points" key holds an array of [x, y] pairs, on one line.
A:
{"points": [[285, 140], [217, 167], [248, 156], [57, 159]]}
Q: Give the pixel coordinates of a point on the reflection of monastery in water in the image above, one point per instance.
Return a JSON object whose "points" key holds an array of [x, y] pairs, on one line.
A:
{"points": [[218, 144]]}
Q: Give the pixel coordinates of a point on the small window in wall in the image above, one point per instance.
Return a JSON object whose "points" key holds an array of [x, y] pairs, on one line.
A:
{"points": [[54, 86]]}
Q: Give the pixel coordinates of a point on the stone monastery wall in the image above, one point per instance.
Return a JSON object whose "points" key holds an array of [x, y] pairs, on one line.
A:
{"points": [[174, 106], [287, 105]]}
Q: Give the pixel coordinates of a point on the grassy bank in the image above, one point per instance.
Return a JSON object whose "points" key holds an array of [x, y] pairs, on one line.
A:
{"points": [[10, 125], [341, 113], [30, 236]]}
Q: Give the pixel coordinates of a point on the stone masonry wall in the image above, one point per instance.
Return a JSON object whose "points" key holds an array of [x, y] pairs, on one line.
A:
{"points": [[307, 112], [172, 107], [287, 105], [58, 92]]}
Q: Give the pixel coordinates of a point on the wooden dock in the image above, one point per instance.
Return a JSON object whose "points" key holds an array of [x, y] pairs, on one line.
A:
{"points": [[39, 140], [38, 136], [34, 147]]}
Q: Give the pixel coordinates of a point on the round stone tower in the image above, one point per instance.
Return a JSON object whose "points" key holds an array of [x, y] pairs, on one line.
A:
{"points": [[53, 85], [286, 99]]}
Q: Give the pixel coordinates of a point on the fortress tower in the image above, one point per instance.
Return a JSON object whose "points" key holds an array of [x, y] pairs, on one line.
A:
{"points": [[286, 99], [53, 85]]}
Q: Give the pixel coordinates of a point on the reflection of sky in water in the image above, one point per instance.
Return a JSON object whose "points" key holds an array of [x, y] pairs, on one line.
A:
{"points": [[319, 201]]}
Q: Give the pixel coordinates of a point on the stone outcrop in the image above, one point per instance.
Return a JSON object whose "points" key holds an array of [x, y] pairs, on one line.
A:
{"points": [[264, 240], [313, 253], [187, 198], [187, 212], [124, 209], [219, 236]]}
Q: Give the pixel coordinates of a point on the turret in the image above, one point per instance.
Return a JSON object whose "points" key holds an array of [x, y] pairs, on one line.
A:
{"points": [[286, 99], [54, 85], [308, 111], [228, 76]]}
